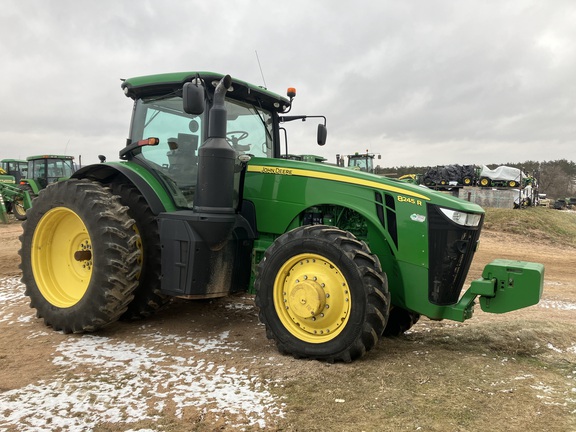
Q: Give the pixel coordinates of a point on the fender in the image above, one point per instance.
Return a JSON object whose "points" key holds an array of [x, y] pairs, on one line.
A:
{"points": [[150, 187]]}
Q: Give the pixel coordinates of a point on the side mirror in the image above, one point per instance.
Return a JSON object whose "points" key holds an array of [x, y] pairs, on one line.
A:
{"points": [[322, 134], [102, 158], [193, 98]]}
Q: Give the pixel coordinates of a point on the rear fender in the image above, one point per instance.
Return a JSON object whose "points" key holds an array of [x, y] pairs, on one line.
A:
{"points": [[148, 185], [33, 185]]}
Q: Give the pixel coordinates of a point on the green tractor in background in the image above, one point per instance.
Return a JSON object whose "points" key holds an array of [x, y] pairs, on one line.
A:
{"points": [[46, 169], [13, 199], [31, 176], [203, 203], [17, 168], [358, 161]]}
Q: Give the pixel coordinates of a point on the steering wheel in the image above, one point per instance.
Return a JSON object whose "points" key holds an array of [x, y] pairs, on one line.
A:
{"points": [[233, 140]]}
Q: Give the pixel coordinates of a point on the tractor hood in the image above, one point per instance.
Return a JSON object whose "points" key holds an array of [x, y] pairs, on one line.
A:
{"points": [[406, 190]]}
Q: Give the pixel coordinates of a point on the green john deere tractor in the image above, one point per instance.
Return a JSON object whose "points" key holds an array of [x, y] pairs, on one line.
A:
{"points": [[203, 203], [12, 198], [17, 168], [46, 169], [358, 161]]}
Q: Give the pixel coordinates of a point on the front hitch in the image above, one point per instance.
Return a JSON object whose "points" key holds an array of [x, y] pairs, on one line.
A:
{"points": [[506, 285]]}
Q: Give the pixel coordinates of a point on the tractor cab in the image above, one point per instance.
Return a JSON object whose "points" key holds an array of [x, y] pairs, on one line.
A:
{"points": [[15, 167], [359, 161], [46, 169], [171, 123]]}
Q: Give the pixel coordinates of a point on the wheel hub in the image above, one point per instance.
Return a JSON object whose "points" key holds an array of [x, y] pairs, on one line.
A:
{"points": [[307, 299], [312, 298], [62, 257]]}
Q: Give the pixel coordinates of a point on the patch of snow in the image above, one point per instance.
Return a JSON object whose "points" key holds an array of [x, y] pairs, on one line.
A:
{"points": [[553, 348], [239, 306], [103, 379], [557, 304]]}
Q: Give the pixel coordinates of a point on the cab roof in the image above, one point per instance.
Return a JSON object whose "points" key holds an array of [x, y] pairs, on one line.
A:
{"points": [[49, 156], [162, 84]]}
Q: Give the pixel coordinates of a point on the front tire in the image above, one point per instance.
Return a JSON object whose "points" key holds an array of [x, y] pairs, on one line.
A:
{"points": [[400, 321], [18, 205], [18, 209], [80, 256], [322, 294]]}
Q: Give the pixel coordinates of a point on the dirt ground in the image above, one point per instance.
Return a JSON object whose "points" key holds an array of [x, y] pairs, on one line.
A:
{"points": [[208, 366]]}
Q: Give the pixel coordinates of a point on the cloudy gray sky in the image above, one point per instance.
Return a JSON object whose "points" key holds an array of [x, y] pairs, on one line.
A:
{"points": [[422, 82]]}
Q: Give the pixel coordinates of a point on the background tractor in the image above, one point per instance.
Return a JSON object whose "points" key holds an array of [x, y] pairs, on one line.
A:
{"points": [[204, 203], [46, 169], [358, 161], [12, 198], [15, 167]]}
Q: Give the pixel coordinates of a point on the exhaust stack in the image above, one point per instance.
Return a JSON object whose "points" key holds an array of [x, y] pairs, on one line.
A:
{"points": [[214, 197]]}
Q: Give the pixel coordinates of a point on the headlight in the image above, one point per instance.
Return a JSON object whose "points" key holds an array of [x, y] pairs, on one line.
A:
{"points": [[461, 218]]}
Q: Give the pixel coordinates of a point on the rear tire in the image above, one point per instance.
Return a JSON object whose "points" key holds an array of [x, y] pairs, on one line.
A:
{"points": [[80, 256], [322, 294], [147, 296]]}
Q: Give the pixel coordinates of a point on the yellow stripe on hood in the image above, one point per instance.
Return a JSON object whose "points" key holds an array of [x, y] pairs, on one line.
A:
{"points": [[334, 177]]}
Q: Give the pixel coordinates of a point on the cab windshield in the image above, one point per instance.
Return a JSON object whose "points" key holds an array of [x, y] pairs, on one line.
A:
{"points": [[49, 170], [175, 158], [361, 163]]}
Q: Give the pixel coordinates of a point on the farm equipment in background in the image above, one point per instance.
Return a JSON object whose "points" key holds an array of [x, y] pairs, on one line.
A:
{"points": [[446, 176], [336, 258], [304, 157], [12, 198], [450, 177], [17, 168], [502, 176], [411, 178], [543, 201], [44, 170], [560, 204], [358, 161]]}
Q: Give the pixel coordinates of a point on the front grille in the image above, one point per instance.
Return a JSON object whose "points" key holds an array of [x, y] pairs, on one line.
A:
{"points": [[451, 249]]}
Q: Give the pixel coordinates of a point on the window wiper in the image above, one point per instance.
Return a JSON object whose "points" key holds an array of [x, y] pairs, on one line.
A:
{"points": [[151, 119]]}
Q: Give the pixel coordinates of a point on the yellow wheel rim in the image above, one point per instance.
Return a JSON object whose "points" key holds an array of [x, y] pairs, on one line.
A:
{"points": [[18, 207], [62, 257], [312, 298]]}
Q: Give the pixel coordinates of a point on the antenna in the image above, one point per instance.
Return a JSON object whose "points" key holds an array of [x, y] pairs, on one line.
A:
{"points": [[260, 66]]}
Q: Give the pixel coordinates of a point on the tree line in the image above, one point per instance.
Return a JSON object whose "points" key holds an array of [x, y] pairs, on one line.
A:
{"points": [[556, 179]]}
